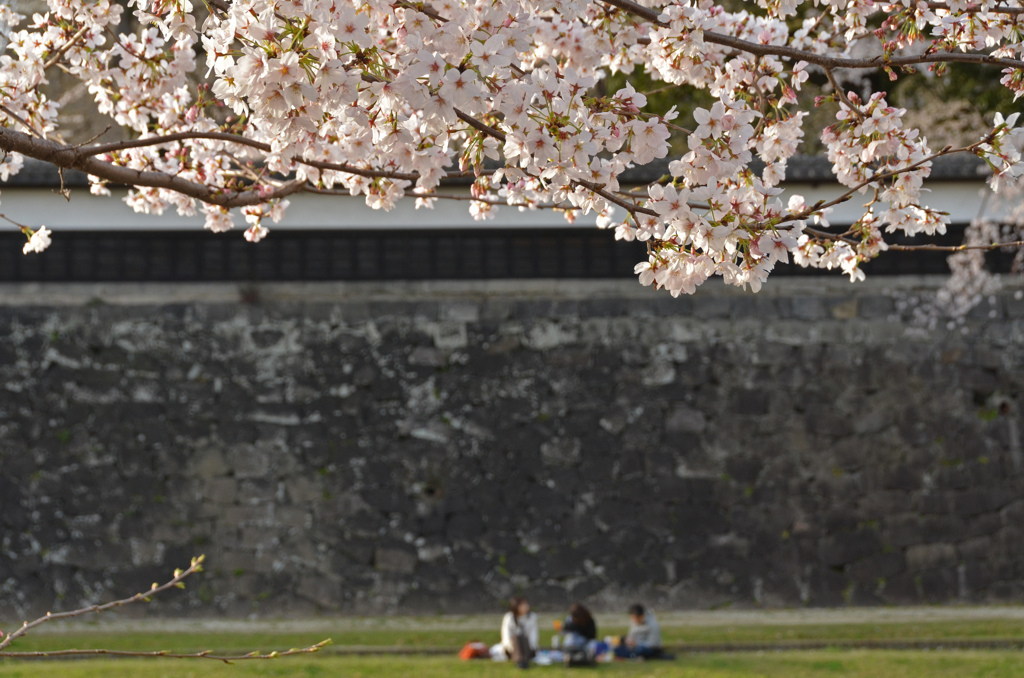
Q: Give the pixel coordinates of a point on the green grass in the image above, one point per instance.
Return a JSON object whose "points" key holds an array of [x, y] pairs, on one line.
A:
{"points": [[345, 636], [925, 630], [848, 664], [437, 633]]}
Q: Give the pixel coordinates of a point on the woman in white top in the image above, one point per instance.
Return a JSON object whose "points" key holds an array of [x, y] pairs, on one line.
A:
{"points": [[519, 632]]}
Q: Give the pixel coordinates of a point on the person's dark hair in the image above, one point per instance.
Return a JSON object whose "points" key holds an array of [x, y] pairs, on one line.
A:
{"points": [[513, 605], [580, 615], [636, 610]]}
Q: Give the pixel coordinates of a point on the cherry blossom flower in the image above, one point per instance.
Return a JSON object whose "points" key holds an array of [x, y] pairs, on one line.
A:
{"points": [[384, 100], [38, 241]]}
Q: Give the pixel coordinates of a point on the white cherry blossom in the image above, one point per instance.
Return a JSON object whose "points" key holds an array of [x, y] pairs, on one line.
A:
{"points": [[385, 100]]}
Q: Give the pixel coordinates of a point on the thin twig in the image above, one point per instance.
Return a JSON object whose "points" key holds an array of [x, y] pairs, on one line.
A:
{"points": [[999, 9], [820, 205], [179, 576], [65, 47], [14, 116], [205, 654], [461, 198], [955, 248], [842, 94]]}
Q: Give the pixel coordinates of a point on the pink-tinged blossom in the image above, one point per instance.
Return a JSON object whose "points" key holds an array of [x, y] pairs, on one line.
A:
{"points": [[255, 233], [387, 90]]}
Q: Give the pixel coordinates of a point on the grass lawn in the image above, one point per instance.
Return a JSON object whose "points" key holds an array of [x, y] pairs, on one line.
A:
{"points": [[853, 664], [438, 634], [430, 635]]}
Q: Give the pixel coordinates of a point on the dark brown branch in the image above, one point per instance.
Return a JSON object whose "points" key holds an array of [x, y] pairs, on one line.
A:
{"points": [[69, 157], [424, 8], [460, 198], [479, 126], [242, 141], [955, 248], [115, 146]]}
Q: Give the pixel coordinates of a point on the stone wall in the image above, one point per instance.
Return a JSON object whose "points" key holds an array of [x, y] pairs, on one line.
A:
{"points": [[435, 448]]}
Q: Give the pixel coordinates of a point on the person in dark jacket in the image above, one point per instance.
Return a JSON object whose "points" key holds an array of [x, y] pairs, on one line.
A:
{"points": [[579, 627]]}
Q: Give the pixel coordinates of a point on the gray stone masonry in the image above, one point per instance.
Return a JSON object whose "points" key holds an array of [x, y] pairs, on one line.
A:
{"points": [[437, 447]]}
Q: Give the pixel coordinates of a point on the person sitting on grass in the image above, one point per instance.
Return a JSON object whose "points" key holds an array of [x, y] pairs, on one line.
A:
{"points": [[579, 627], [519, 635], [643, 641]]}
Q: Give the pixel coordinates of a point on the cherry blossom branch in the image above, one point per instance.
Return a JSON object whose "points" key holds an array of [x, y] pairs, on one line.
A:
{"points": [[599, 189], [14, 116], [220, 5], [448, 196], [480, 126], [955, 248], [821, 205], [842, 94], [819, 59], [175, 582], [424, 8], [114, 146], [825, 235], [977, 10], [71, 157], [65, 47]]}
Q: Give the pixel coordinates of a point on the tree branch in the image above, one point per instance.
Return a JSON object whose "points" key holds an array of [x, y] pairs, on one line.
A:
{"points": [[14, 116], [821, 205], [175, 582], [70, 157], [179, 576], [1013, 11], [65, 47], [955, 248], [205, 654], [818, 59], [114, 146]]}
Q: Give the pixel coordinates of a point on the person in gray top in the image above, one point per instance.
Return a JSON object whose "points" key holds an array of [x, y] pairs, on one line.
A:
{"points": [[643, 641]]}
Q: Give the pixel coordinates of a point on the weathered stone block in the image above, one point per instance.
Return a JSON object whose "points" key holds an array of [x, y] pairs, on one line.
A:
{"points": [[1013, 513], [976, 548], [750, 402], [222, 490], [707, 307], [427, 357], [877, 567], [685, 419], [209, 462], [807, 308], [924, 557], [247, 461], [876, 306], [561, 452], [395, 559], [849, 547]]}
